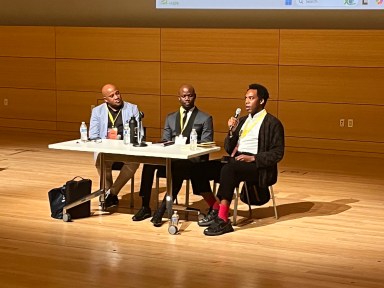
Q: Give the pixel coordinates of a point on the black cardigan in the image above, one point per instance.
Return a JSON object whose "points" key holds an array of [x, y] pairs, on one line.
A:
{"points": [[270, 148]]}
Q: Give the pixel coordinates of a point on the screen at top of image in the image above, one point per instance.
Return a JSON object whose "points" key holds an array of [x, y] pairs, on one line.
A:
{"points": [[271, 4]]}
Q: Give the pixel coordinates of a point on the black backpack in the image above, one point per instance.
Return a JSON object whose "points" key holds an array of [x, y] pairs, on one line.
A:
{"points": [[257, 195]]}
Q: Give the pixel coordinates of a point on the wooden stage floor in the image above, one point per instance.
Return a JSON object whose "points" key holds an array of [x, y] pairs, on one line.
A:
{"points": [[329, 234]]}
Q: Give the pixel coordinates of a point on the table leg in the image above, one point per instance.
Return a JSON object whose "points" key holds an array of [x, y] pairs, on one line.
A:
{"points": [[169, 199], [102, 178]]}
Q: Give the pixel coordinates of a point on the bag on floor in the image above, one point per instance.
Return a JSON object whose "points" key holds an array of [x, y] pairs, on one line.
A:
{"points": [[257, 196], [71, 191]]}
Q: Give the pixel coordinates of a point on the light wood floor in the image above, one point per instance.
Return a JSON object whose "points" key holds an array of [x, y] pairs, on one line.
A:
{"points": [[330, 231]]}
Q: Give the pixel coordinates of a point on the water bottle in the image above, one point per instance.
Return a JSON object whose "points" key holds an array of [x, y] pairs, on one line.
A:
{"points": [[133, 130], [175, 219], [193, 140], [83, 132], [126, 134]]}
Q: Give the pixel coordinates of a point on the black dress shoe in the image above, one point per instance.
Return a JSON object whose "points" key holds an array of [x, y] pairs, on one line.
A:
{"points": [[218, 227], [157, 218], [111, 200], [209, 219], [143, 213]]}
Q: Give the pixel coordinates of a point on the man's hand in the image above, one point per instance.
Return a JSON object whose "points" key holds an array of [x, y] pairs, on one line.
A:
{"points": [[232, 123], [246, 158]]}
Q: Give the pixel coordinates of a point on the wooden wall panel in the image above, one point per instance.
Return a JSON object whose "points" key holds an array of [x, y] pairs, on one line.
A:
{"points": [[322, 121], [240, 46], [91, 75], [108, 43], [332, 48], [28, 104], [334, 146], [18, 41], [150, 106], [35, 73], [42, 126], [332, 84], [218, 80], [220, 109], [74, 106]]}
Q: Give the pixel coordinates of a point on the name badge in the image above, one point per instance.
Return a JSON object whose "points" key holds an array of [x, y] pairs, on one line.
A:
{"points": [[112, 133]]}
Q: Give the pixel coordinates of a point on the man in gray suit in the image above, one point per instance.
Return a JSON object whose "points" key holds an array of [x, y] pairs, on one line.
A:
{"points": [[182, 122], [107, 121]]}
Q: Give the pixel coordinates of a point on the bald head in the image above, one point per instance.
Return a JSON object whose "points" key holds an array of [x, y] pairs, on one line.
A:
{"points": [[187, 96], [112, 96]]}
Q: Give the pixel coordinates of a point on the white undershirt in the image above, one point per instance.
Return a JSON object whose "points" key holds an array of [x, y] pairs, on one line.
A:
{"points": [[250, 142], [189, 113]]}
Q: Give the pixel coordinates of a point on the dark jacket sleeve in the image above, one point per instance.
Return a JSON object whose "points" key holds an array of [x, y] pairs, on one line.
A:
{"points": [[271, 142]]}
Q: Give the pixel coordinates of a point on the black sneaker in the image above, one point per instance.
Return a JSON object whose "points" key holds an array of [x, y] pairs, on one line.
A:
{"points": [[143, 213], [157, 218], [218, 227], [111, 200], [209, 219]]}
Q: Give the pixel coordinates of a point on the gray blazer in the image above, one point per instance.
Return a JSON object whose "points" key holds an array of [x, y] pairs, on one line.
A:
{"points": [[199, 120]]}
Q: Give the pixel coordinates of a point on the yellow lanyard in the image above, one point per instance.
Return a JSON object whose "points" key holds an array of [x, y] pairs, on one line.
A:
{"points": [[253, 122], [111, 117]]}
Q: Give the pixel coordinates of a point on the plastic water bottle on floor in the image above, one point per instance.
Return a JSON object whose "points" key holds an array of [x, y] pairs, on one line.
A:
{"points": [[193, 140], [175, 219], [83, 132]]}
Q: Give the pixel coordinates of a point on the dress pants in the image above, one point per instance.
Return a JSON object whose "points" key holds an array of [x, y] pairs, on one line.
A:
{"points": [[232, 174], [181, 170], [126, 172]]}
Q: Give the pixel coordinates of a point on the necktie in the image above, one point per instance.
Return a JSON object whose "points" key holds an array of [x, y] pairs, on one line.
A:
{"points": [[185, 118]]}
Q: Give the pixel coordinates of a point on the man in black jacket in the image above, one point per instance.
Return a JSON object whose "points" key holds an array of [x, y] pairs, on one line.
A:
{"points": [[180, 122], [256, 145]]}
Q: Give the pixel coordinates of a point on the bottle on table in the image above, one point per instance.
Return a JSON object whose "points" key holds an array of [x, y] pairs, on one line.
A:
{"points": [[126, 134], [193, 140], [133, 130], [83, 132]]}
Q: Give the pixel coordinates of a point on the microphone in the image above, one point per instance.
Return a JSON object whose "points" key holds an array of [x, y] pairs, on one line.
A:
{"points": [[237, 114]]}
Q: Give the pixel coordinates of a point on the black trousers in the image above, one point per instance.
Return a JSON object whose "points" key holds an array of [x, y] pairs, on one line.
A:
{"points": [[181, 170], [232, 174], [229, 175]]}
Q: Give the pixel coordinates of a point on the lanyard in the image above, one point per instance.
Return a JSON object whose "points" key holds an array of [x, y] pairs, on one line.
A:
{"points": [[111, 117], [253, 122]]}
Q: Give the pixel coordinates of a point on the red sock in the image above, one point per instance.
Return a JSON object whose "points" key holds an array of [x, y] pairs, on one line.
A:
{"points": [[211, 201], [223, 212]]}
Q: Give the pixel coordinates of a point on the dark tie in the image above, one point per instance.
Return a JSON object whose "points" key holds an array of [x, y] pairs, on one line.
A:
{"points": [[184, 118]]}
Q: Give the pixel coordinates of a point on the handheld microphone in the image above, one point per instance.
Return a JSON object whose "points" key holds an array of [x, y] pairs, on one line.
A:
{"points": [[237, 114]]}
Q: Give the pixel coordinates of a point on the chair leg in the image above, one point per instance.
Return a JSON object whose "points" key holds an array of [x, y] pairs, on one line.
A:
{"points": [[274, 202], [214, 187], [186, 198], [235, 206], [132, 204], [187, 193], [247, 194], [157, 192]]}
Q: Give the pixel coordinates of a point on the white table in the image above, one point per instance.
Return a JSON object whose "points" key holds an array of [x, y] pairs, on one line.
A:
{"points": [[116, 150]]}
